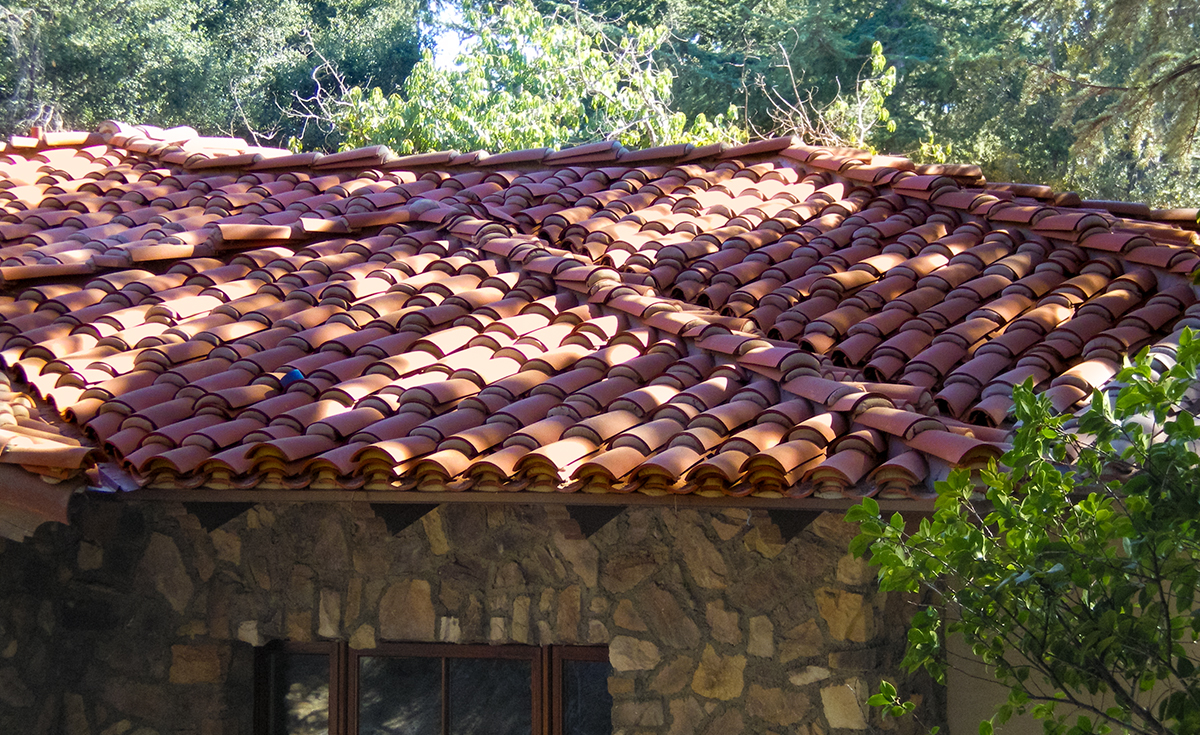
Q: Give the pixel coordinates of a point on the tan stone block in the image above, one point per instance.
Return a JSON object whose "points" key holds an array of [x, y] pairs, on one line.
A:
{"points": [[618, 685], [118, 728], [363, 637], [449, 630], [247, 632], [630, 654], [633, 713], [406, 612], [626, 617], [163, 565], [597, 634], [854, 570], [228, 546], [435, 531], [569, 603], [686, 716], [195, 664], [765, 539], [723, 623], [520, 619], [329, 614], [762, 637], [497, 627], [75, 719], [726, 530], [844, 705], [581, 555], [730, 723], [627, 570], [90, 557], [808, 675], [776, 706], [803, 641], [354, 592], [193, 628], [673, 677], [719, 677], [702, 559], [847, 614], [298, 626]]}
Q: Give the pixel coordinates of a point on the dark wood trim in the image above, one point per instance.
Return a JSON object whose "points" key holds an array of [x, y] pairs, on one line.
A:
{"points": [[201, 495], [554, 685]]}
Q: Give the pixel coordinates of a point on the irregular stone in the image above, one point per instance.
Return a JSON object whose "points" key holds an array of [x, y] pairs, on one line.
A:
{"points": [[846, 614], [299, 626], [808, 675], [703, 560], [75, 720], [163, 565], [767, 586], [842, 706], [765, 539], [730, 723], [90, 557], [496, 629], [726, 530], [248, 633], [581, 555], [195, 664], [723, 623], [686, 716], [717, 676], [435, 532], [633, 713], [630, 654], [803, 641], [832, 528], [626, 617], [450, 631], [118, 728], [363, 637], [569, 603], [330, 546], [329, 620], [619, 685], [666, 619], [674, 676], [863, 659], [626, 571], [353, 600], [228, 546], [773, 705], [260, 573], [509, 576], [597, 632], [762, 637], [854, 570], [406, 612], [13, 691], [520, 619]]}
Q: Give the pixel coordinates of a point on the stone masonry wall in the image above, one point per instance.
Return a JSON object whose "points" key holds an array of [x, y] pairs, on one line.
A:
{"points": [[137, 621]]}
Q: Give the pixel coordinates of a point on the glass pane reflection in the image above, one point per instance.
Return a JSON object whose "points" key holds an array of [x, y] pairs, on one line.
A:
{"points": [[491, 696], [299, 694], [399, 696], [586, 703]]}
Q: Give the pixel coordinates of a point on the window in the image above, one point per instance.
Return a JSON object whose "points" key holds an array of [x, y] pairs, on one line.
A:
{"points": [[432, 689]]}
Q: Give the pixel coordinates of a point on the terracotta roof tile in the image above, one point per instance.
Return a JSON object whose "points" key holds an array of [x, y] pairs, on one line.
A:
{"points": [[771, 319]]}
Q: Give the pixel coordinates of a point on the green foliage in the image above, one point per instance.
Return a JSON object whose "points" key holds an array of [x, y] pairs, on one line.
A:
{"points": [[229, 66], [526, 80], [1076, 580]]}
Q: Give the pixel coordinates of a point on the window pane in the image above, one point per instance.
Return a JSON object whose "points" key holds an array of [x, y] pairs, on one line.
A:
{"points": [[299, 694], [491, 696], [587, 705], [399, 696]]}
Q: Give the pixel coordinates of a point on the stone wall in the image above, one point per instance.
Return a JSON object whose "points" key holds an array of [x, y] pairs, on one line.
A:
{"points": [[137, 621]]}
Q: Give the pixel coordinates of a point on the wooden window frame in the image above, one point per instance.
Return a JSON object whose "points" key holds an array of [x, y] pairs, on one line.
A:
{"points": [[546, 676]]}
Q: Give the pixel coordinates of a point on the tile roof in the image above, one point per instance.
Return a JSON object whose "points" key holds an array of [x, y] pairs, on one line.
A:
{"points": [[772, 319]]}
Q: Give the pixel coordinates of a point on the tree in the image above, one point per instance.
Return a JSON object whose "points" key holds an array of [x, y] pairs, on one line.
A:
{"points": [[226, 67], [1075, 581], [526, 80]]}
